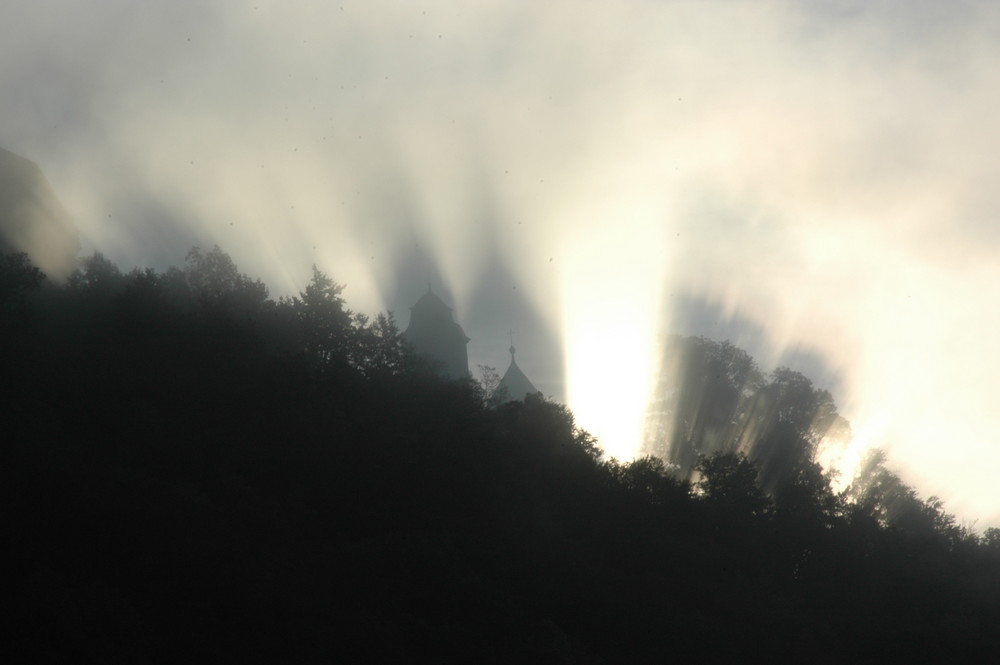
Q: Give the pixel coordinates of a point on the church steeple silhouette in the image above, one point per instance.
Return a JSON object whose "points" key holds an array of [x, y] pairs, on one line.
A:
{"points": [[514, 383], [433, 332]]}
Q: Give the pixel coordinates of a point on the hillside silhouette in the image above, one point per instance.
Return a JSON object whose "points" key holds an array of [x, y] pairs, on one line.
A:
{"points": [[32, 219], [195, 470]]}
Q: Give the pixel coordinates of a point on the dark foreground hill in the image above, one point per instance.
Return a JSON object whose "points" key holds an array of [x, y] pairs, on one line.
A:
{"points": [[191, 471]]}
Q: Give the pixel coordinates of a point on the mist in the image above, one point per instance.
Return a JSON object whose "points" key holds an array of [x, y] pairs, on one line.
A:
{"points": [[818, 179]]}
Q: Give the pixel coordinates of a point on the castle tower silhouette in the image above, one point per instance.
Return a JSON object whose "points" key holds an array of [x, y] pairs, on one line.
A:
{"points": [[433, 332]]}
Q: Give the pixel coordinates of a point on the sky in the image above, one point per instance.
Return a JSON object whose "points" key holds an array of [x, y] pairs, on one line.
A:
{"points": [[814, 181]]}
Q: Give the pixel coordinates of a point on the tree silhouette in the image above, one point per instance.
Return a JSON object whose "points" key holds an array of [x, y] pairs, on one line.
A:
{"points": [[493, 393], [712, 398], [728, 482], [96, 275], [17, 277], [214, 279], [701, 401], [324, 324], [377, 347]]}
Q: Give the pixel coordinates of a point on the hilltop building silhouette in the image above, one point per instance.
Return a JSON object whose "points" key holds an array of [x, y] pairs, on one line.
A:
{"points": [[433, 332], [514, 383]]}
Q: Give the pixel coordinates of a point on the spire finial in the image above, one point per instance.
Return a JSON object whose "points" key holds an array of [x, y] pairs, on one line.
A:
{"points": [[510, 333]]}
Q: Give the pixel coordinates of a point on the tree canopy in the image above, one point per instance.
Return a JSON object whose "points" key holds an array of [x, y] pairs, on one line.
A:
{"points": [[191, 467]]}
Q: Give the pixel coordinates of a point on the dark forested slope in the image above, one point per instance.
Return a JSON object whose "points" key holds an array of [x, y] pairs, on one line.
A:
{"points": [[193, 470]]}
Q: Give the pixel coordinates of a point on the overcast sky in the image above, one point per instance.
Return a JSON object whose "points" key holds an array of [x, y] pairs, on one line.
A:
{"points": [[819, 179]]}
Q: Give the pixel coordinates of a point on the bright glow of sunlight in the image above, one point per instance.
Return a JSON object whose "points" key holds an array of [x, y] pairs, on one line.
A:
{"points": [[608, 380], [610, 309], [845, 456]]}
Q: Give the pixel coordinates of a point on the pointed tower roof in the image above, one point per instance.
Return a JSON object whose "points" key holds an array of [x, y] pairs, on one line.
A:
{"points": [[433, 332], [516, 384], [431, 305]]}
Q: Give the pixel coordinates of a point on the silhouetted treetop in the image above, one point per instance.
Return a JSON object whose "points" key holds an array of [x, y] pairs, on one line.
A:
{"points": [[214, 278], [713, 398], [324, 323], [17, 277], [96, 275], [728, 481]]}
